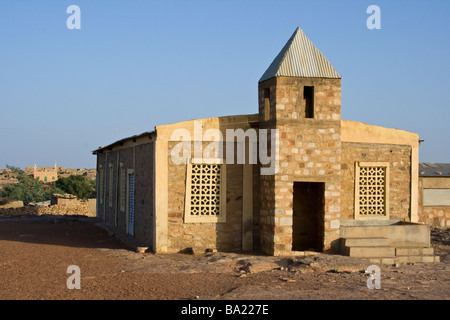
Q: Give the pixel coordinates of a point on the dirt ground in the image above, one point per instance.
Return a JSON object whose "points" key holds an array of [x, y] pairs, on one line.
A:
{"points": [[35, 253]]}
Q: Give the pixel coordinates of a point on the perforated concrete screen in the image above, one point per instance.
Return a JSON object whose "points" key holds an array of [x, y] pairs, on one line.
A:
{"points": [[371, 190], [204, 193]]}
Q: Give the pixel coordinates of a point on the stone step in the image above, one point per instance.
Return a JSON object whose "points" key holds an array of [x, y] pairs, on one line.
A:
{"points": [[370, 252], [364, 232], [366, 242], [414, 251], [378, 250], [403, 259]]}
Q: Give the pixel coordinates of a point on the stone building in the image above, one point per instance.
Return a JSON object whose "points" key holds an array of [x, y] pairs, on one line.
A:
{"points": [[434, 194], [197, 183], [45, 174]]}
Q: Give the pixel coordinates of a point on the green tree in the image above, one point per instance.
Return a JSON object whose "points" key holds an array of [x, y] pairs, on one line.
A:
{"points": [[27, 189], [14, 169], [78, 186]]}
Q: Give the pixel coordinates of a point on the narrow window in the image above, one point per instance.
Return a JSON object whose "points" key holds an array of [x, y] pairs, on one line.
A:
{"points": [[110, 189], [267, 104], [123, 185], [130, 207], [205, 193], [308, 96]]}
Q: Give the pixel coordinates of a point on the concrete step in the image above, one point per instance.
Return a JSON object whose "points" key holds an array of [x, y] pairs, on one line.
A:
{"points": [[365, 232], [414, 251], [378, 250], [403, 259], [370, 252], [366, 242]]}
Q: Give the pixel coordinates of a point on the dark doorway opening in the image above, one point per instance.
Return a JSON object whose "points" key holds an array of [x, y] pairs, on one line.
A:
{"points": [[308, 216]]}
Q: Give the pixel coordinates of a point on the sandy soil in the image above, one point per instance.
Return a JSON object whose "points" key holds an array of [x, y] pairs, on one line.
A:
{"points": [[35, 253]]}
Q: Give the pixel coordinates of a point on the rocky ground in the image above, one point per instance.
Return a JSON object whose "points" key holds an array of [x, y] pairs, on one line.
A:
{"points": [[35, 253]]}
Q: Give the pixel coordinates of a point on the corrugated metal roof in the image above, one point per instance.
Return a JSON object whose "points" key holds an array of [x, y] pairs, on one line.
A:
{"points": [[121, 141], [428, 169], [300, 58]]}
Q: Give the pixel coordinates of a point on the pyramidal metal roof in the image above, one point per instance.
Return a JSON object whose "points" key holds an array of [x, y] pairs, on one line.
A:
{"points": [[300, 58]]}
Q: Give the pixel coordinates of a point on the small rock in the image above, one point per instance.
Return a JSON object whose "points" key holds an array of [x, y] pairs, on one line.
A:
{"points": [[188, 250], [311, 253], [141, 249], [334, 271]]}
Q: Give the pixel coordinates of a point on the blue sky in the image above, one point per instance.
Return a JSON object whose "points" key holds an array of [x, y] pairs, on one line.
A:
{"points": [[136, 64]]}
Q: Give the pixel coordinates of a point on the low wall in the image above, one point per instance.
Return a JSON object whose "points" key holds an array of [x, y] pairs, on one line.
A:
{"points": [[83, 208], [12, 204], [435, 216], [400, 233]]}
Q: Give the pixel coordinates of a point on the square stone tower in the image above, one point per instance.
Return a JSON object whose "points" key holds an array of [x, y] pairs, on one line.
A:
{"points": [[300, 97]]}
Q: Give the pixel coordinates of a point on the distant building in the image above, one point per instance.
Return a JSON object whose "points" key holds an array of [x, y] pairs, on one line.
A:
{"points": [[54, 173], [46, 174], [434, 194]]}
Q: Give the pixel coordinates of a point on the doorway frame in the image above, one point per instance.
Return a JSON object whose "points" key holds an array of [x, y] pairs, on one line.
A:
{"points": [[319, 212]]}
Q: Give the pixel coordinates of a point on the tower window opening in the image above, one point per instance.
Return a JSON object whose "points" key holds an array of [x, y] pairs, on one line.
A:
{"points": [[308, 96], [267, 104]]}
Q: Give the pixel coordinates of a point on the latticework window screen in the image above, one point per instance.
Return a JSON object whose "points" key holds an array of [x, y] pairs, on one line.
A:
{"points": [[371, 190], [204, 193]]}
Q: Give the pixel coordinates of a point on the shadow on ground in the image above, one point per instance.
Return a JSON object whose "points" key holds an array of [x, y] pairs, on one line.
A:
{"points": [[59, 231]]}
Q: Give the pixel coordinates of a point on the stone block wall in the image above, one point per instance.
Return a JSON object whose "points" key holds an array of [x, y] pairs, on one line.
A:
{"points": [[12, 204], [256, 205], [19, 211], [224, 236], [438, 217], [68, 207], [399, 159], [144, 186], [309, 151], [435, 216], [113, 208], [66, 199], [267, 209]]}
